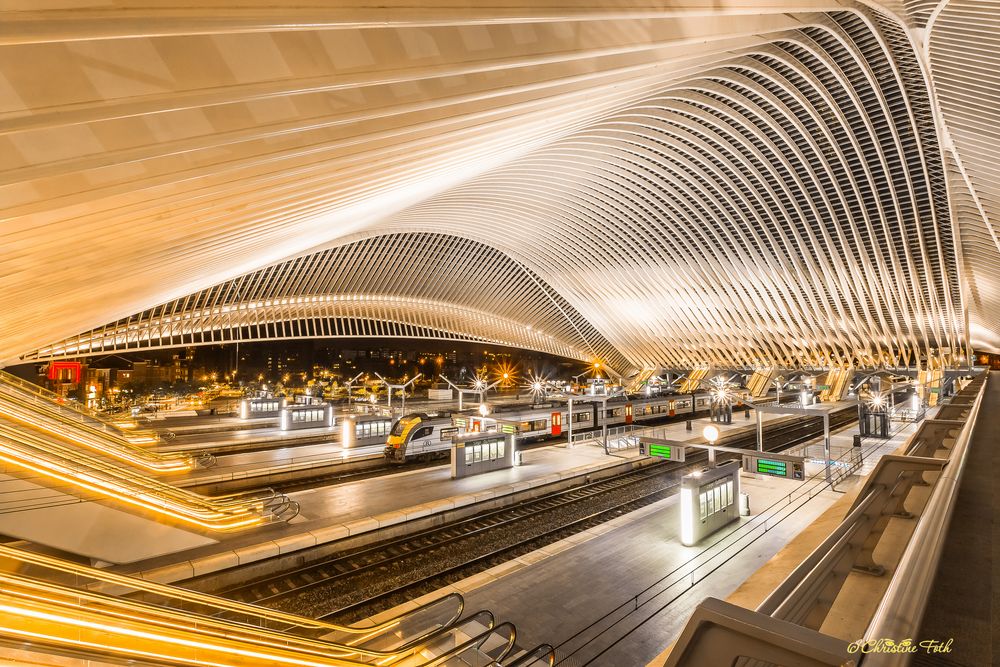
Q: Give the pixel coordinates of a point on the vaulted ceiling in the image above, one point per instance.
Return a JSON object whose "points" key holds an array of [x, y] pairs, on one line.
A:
{"points": [[801, 183]]}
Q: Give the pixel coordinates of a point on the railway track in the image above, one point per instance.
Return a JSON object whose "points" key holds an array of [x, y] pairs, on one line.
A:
{"points": [[362, 582]]}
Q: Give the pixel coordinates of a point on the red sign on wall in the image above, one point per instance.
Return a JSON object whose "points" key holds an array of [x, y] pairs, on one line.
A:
{"points": [[66, 371]]}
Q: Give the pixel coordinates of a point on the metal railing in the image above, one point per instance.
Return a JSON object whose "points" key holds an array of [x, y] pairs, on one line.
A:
{"points": [[618, 437], [42, 415], [79, 472], [74, 408], [172, 619], [784, 629], [902, 608], [685, 576]]}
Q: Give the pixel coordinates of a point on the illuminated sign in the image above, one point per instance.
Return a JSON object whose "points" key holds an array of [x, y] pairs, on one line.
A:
{"points": [[776, 465], [65, 370], [661, 451], [766, 467]]}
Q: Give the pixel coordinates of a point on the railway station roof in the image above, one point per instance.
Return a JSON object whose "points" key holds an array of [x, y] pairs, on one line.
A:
{"points": [[732, 182]]}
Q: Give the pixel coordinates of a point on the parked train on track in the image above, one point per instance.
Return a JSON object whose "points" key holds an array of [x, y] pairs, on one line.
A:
{"points": [[418, 435]]}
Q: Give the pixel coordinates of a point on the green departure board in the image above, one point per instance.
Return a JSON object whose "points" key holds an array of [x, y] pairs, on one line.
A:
{"points": [[663, 451], [767, 467]]}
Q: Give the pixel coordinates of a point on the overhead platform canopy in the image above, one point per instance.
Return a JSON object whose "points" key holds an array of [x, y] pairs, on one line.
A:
{"points": [[651, 185]]}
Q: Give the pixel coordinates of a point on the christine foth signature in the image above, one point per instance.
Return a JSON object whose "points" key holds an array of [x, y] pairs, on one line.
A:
{"points": [[909, 645]]}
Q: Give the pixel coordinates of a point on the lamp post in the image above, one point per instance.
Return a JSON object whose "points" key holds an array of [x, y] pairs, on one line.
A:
{"points": [[479, 387], [401, 387], [711, 433], [350, 387]]}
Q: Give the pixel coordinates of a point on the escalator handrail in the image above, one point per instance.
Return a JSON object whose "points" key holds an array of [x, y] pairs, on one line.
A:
{"points": [[209, 600], [529, 657], [475, 642]]}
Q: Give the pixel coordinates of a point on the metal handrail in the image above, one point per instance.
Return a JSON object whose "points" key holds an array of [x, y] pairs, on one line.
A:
{"points": [[101, 439], [55, 398], [803, 600], [80, 461], [72, 416], [476, 642], [902, 608], [528, 658], [231, 606], [28, 450], [207, 625]]}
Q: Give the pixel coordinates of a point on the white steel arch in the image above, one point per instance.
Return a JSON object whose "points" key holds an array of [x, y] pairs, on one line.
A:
{"points": [[806, 184]]}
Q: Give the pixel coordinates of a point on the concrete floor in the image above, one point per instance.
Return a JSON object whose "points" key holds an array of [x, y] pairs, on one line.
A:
{"points": [[556, 597], [556, 592]]}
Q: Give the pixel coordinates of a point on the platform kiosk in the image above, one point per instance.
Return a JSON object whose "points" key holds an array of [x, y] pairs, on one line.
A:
{"points": [[481, 452], [260, 408], [709, 501], [294, 417]]}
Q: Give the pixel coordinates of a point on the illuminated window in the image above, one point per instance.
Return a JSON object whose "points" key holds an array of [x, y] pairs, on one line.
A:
{"points": [[715, 497]]}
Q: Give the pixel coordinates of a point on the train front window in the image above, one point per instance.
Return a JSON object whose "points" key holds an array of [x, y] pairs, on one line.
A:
{"points": [[400, 426]]}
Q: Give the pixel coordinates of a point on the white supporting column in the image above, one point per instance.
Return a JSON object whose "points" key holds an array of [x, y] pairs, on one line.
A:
{"points": [[760, 431], [826, 444], [569, 439]]}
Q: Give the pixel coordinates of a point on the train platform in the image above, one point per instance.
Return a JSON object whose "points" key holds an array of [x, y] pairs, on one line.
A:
{"points": [[293, 458], [641, 582], [248, 437], [350, 509], [266, 464]]}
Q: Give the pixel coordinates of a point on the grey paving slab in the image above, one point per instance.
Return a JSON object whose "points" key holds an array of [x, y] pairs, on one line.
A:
{"points": [[554, 598]]}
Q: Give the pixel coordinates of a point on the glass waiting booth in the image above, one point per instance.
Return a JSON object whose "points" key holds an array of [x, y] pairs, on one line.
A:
{"points": [[481, 452]]}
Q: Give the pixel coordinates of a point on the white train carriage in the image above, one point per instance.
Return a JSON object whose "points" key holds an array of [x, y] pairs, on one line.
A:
{"points": [[538, 422]]}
